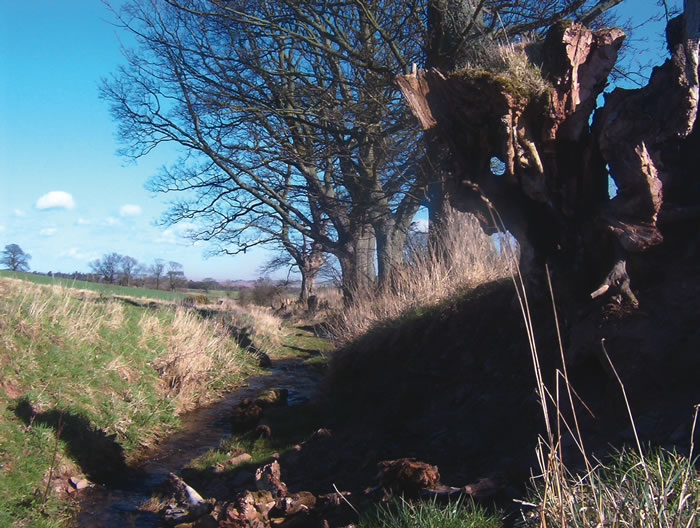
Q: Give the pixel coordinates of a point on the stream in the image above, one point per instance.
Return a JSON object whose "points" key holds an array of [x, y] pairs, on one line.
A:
{"points": [[117, 505]]}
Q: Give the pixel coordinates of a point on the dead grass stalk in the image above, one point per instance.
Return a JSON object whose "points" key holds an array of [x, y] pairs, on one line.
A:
{"points": [[460, 256]]}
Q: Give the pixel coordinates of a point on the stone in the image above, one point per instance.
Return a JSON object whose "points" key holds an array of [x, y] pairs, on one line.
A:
{"points": [[272, 397], [245, 416], [407, 476], [294, 503], [267, 478], [79, 483], [249, 510]]}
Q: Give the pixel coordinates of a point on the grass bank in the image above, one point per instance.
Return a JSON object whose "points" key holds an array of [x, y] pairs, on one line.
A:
{"points": [[86, 380]]}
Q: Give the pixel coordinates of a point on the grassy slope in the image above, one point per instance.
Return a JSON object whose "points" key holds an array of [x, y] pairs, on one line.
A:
{"points": [[110, 375]]}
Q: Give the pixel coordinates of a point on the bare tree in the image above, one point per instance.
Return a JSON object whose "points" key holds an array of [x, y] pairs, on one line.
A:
{"points": [[174, 274], [107, 267], [156, 270], [14, 258], [129, 267], [284, 107]]}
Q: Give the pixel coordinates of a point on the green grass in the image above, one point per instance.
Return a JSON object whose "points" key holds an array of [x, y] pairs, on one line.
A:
{"points": [[659, 490], [105, 289], [301, 342], [401, 513], [110, 376], [290, 426]]}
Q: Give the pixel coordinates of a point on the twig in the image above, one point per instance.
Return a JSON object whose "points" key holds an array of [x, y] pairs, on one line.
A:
{"points": [[346, 500], [629, 409], [59, 428]]}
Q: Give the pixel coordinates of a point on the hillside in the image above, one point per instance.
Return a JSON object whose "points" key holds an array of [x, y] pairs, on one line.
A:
{"points": [[454, 386]]}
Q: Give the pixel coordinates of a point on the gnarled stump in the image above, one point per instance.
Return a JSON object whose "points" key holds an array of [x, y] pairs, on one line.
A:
{"points": [[553, 192]]}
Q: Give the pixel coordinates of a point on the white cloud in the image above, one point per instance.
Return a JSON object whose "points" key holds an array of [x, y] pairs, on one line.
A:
{"points": [[19, 213], [78, 255], [55, 200], [130, 210], [2, 228], [175, 234], [111, 221], [83, 221], [48, 231]]}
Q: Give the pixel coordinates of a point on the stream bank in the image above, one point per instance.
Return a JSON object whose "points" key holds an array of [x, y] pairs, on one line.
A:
{"points": [[119, 503]]}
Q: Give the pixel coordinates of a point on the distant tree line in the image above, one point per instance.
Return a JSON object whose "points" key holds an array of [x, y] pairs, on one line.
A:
{"points": [[114, 268]]}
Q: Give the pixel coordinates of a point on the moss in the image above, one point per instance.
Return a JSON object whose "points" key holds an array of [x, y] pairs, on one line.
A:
{"points": [[504, 83], [511, 70]]}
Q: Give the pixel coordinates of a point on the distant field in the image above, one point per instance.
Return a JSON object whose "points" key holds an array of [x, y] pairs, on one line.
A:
{"points": [[112, 289]]}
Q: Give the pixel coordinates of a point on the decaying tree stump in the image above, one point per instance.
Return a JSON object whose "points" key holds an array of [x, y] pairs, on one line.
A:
{"points": [[552, 189]]}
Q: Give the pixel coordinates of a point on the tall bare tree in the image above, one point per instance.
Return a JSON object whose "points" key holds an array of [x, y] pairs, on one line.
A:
{"points": [[156, 270], [174, 273], [107, 267], [15, 258], [129, 266], [283, 107]]}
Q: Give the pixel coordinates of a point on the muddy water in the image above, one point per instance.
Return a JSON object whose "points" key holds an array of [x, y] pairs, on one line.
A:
{"points": [[117, 505]]}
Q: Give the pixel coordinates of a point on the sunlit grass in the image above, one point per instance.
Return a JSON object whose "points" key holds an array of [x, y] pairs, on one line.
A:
{"points": [[114, 370], [401, 513]]}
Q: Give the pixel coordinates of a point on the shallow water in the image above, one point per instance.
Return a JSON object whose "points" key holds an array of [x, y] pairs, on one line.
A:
{"points": [[117, 505]]}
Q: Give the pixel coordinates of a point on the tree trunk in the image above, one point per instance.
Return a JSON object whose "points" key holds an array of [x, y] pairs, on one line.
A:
{"points": [[307, 282], [350, 276], [365, 254], [391, 238]]}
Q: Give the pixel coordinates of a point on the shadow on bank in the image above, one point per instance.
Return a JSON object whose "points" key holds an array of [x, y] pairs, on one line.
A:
{"points": [[99, 456]]}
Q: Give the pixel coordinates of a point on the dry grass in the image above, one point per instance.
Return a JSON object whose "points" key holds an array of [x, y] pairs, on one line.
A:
{"points": [[459, 257], [264, 328], [192, 355], [510, 63], [197, 351]]}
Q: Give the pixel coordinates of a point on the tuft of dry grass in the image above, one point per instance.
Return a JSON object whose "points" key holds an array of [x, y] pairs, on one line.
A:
{"points": [[460, 256], [511, 64], [265, 329], [197, 352]]}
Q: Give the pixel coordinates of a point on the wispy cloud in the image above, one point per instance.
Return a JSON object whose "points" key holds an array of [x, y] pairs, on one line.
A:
{"points": [[2, 228], [177, 233], [83, 221], [19, 213], [48, 231], [130, 210], [55, 200], [79, 255], [111, 221]]}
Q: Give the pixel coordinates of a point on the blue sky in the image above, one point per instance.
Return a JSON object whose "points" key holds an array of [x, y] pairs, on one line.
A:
{"points": [[66, 197]]}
